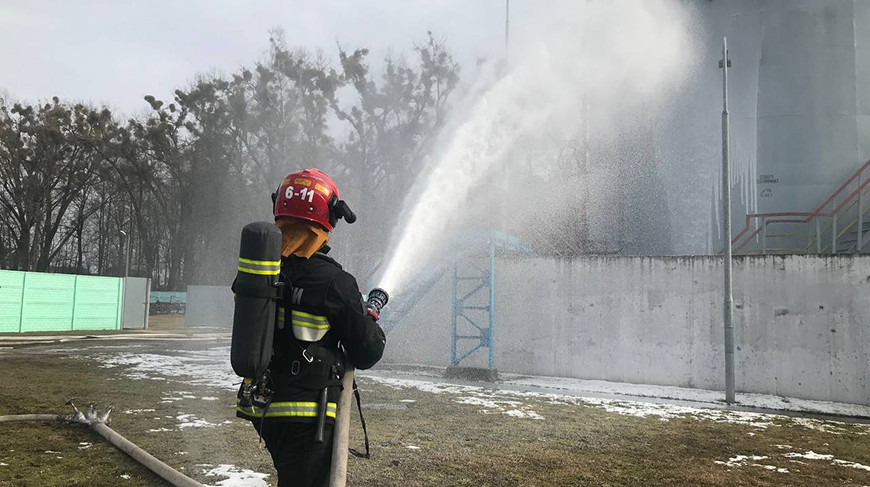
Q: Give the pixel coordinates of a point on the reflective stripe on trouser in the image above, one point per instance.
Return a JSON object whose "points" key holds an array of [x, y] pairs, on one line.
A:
{"points": [[260, 267], [308, 327], [288, 410], [280, 318]]}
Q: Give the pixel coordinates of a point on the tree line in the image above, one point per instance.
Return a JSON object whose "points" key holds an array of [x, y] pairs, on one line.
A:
{"points": [[180, 181]]}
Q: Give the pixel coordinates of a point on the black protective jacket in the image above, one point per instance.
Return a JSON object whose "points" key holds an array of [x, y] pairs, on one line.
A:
{"points": [[319, 286]]}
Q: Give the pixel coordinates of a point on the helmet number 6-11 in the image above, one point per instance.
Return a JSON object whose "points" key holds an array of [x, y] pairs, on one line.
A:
{"points": [[304, 194]]}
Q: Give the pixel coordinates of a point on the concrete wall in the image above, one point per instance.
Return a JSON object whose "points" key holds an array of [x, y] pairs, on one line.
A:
{"points": [[209, 306], [802, 323]]}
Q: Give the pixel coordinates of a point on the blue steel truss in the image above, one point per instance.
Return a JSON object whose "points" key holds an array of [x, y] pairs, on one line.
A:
{"points": [[473, 312], [473, 303]]}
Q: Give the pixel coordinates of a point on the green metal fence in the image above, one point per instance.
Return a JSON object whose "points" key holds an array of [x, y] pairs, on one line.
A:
{"points": [[36, 301]]}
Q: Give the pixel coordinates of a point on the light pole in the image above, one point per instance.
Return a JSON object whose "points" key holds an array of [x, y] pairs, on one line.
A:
{"points": [[724, 64], [127, 253], [507, 26]]}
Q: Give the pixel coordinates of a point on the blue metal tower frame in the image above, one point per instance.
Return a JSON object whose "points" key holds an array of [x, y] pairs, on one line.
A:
{"points": [[463, 304]]}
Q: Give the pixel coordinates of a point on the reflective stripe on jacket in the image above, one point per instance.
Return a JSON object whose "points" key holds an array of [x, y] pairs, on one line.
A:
{"points": [[307, 327], [288, 410]]}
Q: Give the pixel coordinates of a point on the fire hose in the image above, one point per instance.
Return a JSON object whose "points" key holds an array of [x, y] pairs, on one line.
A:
{"points": [[98, 424]]}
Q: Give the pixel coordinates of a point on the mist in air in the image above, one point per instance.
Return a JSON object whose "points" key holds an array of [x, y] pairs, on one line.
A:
{"points": [[593, 77]]}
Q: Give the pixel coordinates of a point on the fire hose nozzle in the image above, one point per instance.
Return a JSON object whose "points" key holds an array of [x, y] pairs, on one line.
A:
{"points": [[377, 300]]}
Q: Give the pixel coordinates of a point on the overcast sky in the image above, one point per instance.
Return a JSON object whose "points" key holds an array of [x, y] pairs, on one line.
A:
{"points": [[115, 52]]}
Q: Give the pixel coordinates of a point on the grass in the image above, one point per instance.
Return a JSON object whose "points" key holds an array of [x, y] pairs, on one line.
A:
{"points": [[459, 445]]}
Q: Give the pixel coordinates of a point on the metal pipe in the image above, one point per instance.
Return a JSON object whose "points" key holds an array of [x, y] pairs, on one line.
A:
{"points": [[507, 27], [818, 235], [453, 361], [860, 216], [491, 331], [763, 235], [726, 217], [341, 434]]}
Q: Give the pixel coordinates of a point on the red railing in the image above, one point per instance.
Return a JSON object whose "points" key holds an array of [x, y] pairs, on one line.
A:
{"points": [[808, 216]]}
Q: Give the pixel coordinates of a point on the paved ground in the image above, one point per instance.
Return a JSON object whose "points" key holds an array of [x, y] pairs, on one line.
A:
{"points": [[174, 397]]}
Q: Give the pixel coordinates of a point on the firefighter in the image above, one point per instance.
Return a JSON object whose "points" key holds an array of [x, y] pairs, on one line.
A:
{"points": [[320, 314]]}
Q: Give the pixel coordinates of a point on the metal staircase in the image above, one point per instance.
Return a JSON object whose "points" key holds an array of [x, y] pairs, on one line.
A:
{"points": [[832, 228]]}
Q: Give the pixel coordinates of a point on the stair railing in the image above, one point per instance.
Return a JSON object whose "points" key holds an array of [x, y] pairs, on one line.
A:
{"points": [[764, 220]]}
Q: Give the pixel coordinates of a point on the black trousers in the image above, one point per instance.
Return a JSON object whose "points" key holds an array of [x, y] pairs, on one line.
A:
{"points": [[299, 461]]}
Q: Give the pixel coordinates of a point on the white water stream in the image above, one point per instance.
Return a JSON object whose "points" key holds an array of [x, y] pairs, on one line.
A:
{"points": [[617, 53]]}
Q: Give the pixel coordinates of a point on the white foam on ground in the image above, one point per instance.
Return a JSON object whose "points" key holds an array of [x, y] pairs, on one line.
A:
{"points": [[235, 477]]}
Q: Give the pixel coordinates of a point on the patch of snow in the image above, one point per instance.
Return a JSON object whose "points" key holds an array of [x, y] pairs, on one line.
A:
{"points": [[810, 455], [846, 463], [207, 367], [407, 400], [4, 464], [580, 387], [190, 421], [137, 411], [412, 447], [518, 409], [783, 447], [125, 477], [181, 453], [525, 414], [744, 460], [209, 398], [159, 430], [236, 477], [50, 452], [487, 398], [84, 445]]}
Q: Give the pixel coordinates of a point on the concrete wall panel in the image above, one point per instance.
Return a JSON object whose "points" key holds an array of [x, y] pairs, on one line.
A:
{"points": [[801, 323]]}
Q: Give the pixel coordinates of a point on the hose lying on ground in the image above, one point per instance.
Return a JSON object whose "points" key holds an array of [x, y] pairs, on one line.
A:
{"points": [[30, 417], [98, 424]]}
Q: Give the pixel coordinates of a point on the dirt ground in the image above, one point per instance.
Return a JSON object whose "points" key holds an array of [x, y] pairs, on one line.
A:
{"points": [[175, 400]]}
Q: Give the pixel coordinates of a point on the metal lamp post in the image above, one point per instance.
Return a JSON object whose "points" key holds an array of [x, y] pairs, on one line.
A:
{"points": [[127, 253], [724, 64]]}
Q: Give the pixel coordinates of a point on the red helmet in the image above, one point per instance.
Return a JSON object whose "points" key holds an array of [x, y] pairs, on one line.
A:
{"points": [[311, 195]]}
